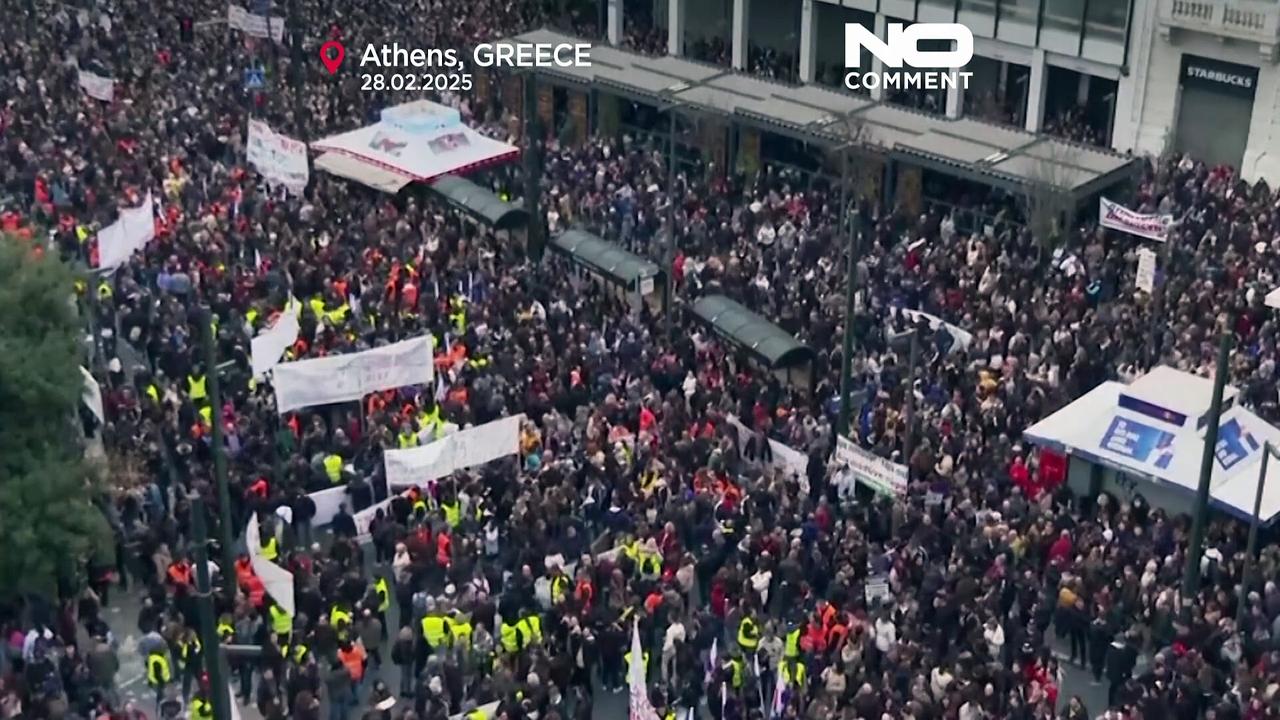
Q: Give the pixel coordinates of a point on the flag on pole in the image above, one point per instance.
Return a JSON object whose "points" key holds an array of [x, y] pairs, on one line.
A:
{"points": [[711, 663], [779, 692], [755, 668], [441, 390], [641, 708]]}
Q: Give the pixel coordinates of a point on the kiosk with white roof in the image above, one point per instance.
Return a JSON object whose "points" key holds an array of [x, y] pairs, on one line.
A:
{"points": [[412, 142], [1148, 437]]}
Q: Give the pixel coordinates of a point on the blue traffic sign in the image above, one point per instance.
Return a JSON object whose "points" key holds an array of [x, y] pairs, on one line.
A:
{"points": [[254, 78]]}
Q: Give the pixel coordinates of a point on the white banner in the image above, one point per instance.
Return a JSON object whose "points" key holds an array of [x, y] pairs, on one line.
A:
{"points": [[278, 581], [327, 501], [1146, 270], [271, 343], [963, 338], [343, 378], [118, 241], [785, 457], [1115, 216], [883, 476], [364, 520], [97, 87], [280, 159], [91, 396], [459, 451], [256, 25]]}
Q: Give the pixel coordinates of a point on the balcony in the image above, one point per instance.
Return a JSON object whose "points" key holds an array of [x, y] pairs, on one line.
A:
{"points": [[1251, 21]]}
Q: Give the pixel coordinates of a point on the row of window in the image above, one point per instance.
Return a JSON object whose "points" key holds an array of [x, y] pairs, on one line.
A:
{"points": [[1101, 16]]}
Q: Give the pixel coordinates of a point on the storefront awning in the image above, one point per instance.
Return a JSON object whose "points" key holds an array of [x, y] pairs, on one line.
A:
{"points": [[752, 332]]}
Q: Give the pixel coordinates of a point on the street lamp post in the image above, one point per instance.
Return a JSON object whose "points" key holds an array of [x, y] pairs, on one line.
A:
{"points": [[219, 452], [670, 251], [219, 693], [1267, 451], [1191, 576]]}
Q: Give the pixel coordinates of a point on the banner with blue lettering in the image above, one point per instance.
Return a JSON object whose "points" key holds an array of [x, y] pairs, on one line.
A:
{"points": [[1235, 444], [1138, 441]]}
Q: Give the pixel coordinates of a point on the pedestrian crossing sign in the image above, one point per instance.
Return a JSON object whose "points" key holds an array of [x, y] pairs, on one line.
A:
{"points": [[254, 78]]}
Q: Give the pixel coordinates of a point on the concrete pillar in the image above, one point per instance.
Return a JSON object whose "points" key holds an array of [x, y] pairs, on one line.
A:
{"points": [[808, 40], [1036, 88], [877, 67], [955, 95], [675, 27], [741, 15], [1082, 90], [615, 22]]}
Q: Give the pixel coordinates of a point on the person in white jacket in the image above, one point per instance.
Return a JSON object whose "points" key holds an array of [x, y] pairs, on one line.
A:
{"points": [[993, 633]]}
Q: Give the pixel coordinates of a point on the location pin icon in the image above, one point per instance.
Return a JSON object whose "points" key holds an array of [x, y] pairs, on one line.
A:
{"points": [[331, 54]]}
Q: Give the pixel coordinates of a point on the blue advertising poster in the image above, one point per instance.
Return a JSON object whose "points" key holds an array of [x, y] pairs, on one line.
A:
{"points": [[1140, 442], [1235, 444]]}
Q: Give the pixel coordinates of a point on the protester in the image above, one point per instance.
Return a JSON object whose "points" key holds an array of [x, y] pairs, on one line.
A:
{"points": [[635, 500]]}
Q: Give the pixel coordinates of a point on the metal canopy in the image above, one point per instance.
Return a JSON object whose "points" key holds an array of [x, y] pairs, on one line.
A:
{"points": [[480, 202], [605, 257], [748, 330], [995, 155]]}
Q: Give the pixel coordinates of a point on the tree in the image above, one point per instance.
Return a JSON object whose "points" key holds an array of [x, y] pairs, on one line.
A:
{"points": [[49, 525], [1048, 200]]}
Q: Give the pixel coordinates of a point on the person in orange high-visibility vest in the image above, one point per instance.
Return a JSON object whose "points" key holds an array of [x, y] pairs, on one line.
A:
{"points": [[352, 656]]}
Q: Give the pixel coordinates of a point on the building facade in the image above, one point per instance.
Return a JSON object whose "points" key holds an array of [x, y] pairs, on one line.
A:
{"points": [[1146, 76]]}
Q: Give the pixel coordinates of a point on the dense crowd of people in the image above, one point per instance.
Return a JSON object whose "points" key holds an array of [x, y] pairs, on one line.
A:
{"points": [[637, 498]]}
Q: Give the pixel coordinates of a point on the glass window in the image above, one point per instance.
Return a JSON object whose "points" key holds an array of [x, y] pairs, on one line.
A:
{"points": [[1065, 14], [1023, 11], [983, 6], [1107, 18], [948, 4]]}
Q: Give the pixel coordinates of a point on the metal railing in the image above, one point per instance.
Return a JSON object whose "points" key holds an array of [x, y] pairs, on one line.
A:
{"points": [[1256, 20]]}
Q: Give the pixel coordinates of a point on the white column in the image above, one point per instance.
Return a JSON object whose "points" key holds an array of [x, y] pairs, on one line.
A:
{"points": [[1082, 90], [808, 40], [1036, 88], [615, 22], [955, 95], [877, 67], [675, 27], [741, 9]]}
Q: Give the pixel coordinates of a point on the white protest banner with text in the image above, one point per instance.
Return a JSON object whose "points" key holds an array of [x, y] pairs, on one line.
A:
{"points": [[343, 378], [97, 87], [255, 25], [364, 520], [267, 347], [963, 338], [1115, 216], [883, 476], [118, 241], [459, 451], [1146, 279], [280, 159]]}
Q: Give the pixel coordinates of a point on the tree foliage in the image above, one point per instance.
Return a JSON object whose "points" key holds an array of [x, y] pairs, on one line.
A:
{"points": [[49, 524]]}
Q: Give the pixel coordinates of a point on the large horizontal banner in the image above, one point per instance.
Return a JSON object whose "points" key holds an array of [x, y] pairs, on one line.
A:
{"points": [[459, 451], [118, 241], [280, 159], [883, 476], [1115, 216], [343, 378], [963, 338], [277, 581], [792, 462], [328, 502], [255, 25]]}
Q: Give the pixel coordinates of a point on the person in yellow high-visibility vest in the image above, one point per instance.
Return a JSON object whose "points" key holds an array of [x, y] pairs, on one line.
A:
{"points": [[196, 388], [333, 468], [452, 513], [270, 548], [281, 623], [159, 673], [435, 631]]}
